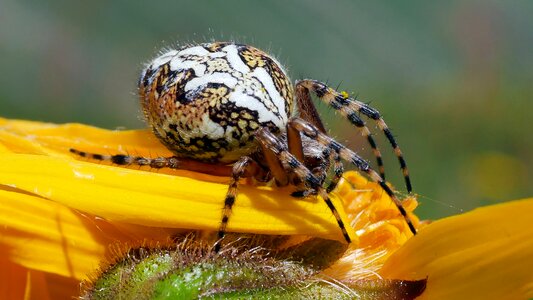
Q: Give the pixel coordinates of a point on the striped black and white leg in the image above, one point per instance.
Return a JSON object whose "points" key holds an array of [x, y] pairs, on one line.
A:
{"points": [[346, 154], [293, 166], [242, 168], [350, 109], [171, 162]]}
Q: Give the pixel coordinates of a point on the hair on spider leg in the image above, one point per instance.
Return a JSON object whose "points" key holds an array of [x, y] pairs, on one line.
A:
{"points": [[338, 85]]}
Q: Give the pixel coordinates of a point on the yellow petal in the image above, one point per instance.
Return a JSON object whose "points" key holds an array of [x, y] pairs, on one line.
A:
{"points": [[483, 254], [43, 235], [152, 199]]}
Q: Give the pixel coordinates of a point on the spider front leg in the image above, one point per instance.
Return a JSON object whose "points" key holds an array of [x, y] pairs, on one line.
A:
{"points": [[293, 166], [321, 173], [346, 154], [350, 108], [244, 167]]}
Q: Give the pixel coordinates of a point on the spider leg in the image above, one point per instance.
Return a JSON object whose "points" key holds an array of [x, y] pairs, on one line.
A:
{"points": [[306, 109], [294, 141], [321, 173], [296, 145], [274, 165], [338, 170], [308, 112], [172, 162], [348, 155], [241, 168], [350, 108], [293, 165]]}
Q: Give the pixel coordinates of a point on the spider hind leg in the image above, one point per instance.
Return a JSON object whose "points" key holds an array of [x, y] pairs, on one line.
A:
{"points": [[171, 162], [122, 159]]}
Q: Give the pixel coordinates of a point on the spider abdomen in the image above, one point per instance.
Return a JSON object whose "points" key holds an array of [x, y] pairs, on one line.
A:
{"points": [[206, 101]]}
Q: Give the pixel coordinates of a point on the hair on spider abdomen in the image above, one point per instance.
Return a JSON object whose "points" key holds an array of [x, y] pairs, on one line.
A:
{"points": [[230, 109]]}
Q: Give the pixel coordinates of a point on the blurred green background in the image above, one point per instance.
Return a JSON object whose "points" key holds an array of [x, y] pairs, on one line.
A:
{"points": [[454, 79]]}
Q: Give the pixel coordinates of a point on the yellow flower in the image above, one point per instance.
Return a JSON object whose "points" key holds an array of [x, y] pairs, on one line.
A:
{"points": [[61, 216]]}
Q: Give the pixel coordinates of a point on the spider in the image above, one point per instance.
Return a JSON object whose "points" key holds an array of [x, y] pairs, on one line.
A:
{"points": [[229, 109]]}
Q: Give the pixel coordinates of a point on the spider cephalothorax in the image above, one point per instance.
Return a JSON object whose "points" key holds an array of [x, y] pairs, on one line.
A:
{"points": [[229, 109]]}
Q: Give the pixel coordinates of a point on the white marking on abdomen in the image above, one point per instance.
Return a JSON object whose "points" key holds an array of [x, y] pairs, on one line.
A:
{"points": [[212, 129], [264, 114], [163, 59], [177, 64], [217, 54], [262, 75], [217, 77], [235, 60]]}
